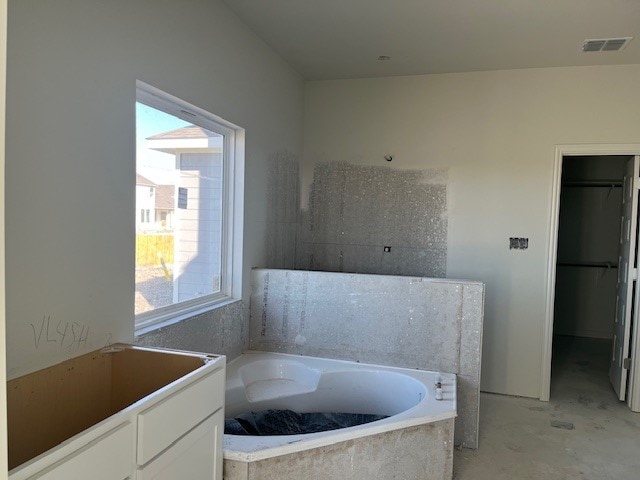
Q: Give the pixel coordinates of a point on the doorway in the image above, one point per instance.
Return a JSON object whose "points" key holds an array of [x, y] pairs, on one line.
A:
{"points": [[592, 273], [587, 270]]}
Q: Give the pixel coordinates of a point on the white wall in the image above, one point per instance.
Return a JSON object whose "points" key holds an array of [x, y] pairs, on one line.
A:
{"points": [[496, 133], [3, 384], [72, 70]]}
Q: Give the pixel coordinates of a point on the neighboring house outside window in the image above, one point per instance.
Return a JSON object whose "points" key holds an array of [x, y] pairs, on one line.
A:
{"points": [[197, 236], [145, 201], [165, 205], [189, 243]]}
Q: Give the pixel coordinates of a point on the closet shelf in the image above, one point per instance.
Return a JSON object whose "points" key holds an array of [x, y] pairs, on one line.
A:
{"points": [[592, 183], [588, 264]]}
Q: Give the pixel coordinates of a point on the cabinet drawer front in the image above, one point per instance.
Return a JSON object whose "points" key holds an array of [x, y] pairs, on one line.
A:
{"points": [[110, 457], [164, 423], [197, 455]]}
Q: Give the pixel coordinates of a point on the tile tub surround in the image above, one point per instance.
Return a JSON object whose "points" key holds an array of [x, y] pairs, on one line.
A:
{"points": [[409, 322], [221, 330], [422, 452]]}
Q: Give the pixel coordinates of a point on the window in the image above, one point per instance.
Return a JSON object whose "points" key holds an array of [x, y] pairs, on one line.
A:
{"points": [[189, 239]]}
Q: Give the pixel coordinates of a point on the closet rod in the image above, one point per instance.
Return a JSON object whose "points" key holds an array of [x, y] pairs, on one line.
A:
{"points": [[587, 264], [593, 183]]}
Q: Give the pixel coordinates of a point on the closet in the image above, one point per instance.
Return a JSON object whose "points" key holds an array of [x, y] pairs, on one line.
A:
{"points": [[588, 257]]}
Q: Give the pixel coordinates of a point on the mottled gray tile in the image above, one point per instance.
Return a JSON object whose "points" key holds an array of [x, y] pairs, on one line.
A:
{"points": [[221, 331], [422, 452], [411, 322]]}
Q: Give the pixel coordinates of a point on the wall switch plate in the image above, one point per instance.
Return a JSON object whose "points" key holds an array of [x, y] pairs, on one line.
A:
{"points": [[387, 249], [518, 243]]}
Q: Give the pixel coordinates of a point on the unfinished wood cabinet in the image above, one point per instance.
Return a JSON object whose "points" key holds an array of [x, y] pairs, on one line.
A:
{"points": [[119, 413]]}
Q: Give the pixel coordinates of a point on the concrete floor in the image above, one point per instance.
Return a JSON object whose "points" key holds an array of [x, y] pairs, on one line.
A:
{"points": [[518, 441]]}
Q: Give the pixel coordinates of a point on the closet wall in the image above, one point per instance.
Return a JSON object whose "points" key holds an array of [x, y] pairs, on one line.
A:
{"points": [[588, 242]]}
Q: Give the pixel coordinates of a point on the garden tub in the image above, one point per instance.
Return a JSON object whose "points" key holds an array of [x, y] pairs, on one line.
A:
{"points": [[418, 426]]}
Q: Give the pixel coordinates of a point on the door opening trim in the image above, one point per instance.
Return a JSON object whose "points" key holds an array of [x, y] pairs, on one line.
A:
{"points": [[633, 396]]}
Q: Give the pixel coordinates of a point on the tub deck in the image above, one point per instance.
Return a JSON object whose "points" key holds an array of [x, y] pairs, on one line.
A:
{"points": [[259, 380]]}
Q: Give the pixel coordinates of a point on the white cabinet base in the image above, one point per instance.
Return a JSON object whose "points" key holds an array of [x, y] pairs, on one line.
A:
{"points": [[168, 421], [197, 455]]}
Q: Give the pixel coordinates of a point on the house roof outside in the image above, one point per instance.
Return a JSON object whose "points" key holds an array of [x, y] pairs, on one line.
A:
{"points": [[190, 138], [192, 131], [144, 181], [165, 197]]}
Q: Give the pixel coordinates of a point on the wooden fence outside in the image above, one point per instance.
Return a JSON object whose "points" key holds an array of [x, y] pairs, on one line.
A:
{"points": [[151, 249]]}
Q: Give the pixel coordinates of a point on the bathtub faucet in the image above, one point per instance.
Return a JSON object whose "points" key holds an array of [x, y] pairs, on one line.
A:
{"points": [[438, 390]]}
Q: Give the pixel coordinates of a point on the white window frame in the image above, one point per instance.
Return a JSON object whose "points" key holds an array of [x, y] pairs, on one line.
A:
{"points": [[232, 210]]}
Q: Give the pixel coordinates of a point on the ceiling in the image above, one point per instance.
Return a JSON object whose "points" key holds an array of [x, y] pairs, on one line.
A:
{"points": [[331, 39]]}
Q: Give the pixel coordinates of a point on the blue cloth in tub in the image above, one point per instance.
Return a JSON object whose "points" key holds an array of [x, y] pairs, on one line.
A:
{"points": [[288, 422]]}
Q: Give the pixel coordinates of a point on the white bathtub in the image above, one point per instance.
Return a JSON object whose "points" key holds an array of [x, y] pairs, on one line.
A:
{"points": [[258, 381]]}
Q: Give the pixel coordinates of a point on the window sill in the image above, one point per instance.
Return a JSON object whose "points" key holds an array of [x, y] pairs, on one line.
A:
{"points": [[178, 317]]}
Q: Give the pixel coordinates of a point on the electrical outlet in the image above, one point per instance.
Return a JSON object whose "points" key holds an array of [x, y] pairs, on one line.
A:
{"points": [[518, 243]]}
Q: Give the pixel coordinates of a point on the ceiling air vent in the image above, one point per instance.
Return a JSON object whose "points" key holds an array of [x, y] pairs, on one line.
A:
{"points": [[605, 44]]}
